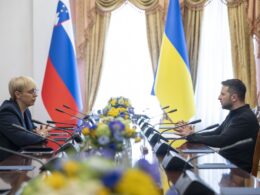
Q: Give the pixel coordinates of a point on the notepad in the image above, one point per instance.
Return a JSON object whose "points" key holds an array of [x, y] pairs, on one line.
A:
{"points": [[17, 168], [215, 166]]}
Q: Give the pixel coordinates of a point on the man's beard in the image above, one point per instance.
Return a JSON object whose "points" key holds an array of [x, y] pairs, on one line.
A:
{"points": [[227, 106]]}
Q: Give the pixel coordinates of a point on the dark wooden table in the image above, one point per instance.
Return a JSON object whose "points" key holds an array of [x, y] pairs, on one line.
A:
{"points": [[217, 179]]}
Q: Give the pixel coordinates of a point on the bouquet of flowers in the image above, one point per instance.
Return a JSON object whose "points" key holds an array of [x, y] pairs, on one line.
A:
{"points": [[96, 176], [118, 107], [110, 133]]}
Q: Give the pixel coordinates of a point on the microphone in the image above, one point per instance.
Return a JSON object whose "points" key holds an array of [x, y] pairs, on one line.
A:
{"points": [[165, 107], [218, 165], [74, 116], [239, 143], [73, 136], [68, 107], [155, 137], [168, 112], [205, 129], [49, 165], [55, 122], [189, 183], [21, 154], [162, 148], [176, 127], [67, 146]]}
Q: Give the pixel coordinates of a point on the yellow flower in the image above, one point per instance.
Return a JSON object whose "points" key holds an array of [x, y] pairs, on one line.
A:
{"points": [[138, 139], [136, 182], [71, 168], [113, 102], [85, 131], [103, 191], [129, 132], [113, 112], [56, 180]]}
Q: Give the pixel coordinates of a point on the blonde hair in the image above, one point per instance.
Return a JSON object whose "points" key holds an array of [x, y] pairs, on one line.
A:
{"points": [[20, 83]]}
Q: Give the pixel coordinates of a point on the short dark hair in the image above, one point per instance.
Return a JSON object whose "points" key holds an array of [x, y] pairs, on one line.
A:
{"points": [[236, 86]]}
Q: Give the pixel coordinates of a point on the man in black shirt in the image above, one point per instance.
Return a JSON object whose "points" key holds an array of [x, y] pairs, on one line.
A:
{"points": [[241, 123]]}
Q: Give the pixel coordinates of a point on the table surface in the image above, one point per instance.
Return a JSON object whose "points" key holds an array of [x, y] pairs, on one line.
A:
{"points": [[217, 179]]}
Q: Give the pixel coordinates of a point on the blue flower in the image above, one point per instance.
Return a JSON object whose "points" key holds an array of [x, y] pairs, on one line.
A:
{"points": [[116, 125], [118, 136], [103, 140], [110, 179]]}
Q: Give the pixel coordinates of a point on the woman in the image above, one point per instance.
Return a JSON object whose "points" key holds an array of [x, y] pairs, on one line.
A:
{"points": [[23, 94]]}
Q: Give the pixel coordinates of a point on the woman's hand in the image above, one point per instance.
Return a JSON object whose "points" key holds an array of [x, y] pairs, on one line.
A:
{"points": [[43, 130]]}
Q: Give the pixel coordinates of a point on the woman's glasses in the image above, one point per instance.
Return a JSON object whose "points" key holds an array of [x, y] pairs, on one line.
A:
{"points": [[33, 91]]}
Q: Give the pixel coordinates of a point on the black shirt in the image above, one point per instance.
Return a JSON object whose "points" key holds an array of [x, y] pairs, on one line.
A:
{"points": [[240, 124]]}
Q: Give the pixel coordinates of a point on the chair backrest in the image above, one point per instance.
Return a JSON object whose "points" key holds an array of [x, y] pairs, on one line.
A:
{"points": [[256, 157]]}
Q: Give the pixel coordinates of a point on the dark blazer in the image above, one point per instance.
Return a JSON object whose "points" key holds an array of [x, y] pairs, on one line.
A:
{"points": [[11, 137]]}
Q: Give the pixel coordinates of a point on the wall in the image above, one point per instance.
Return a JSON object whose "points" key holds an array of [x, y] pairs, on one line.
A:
{"points": [[25, 32]]}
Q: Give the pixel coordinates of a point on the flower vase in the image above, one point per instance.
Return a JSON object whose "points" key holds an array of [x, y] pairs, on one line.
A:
{"points": [[123, 157]]}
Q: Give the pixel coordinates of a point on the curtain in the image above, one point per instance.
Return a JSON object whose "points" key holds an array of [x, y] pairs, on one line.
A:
{"points": [[253, 13], [242, 47], [92, 22], [192, 16]]}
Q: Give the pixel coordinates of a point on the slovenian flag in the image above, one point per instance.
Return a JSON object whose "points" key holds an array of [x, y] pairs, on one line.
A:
{"points": [[61, 82], [173, 84]]}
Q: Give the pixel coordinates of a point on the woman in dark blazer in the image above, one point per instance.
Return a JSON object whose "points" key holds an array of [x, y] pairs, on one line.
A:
{"points": [[23, 94]]}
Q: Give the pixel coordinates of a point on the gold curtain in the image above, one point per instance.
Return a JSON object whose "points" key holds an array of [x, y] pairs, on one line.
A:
{"points": [[155, 27], [92, 20], [253, 14], [192, 17], [242, 47]]}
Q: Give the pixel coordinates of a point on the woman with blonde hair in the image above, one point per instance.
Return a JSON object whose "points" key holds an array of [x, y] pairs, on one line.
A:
{"points": [[23, 94]]}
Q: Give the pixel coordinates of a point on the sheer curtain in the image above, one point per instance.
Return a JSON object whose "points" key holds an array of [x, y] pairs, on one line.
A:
{"points": [[214, 64], [127, 69]]}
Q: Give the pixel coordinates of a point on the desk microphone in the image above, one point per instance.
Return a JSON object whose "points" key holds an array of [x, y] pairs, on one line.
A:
{"points": [[197, 132], [155, 137], [168, 112], [143, 121], [72, 115], [62, 123], [172, 160], [49, 165], [179, 126], [74, 110], [189, 183], [73, 136], [64, 147], [162, 148]]}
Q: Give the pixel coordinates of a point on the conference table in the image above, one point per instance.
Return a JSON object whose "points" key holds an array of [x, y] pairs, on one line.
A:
{"points": [[222, 181]]}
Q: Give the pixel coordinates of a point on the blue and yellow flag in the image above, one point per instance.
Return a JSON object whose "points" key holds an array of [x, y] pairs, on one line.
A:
{"points": [[173, 84]]}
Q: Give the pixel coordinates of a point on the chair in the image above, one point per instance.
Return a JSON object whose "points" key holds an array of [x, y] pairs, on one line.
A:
{"points": [[256, 157]]}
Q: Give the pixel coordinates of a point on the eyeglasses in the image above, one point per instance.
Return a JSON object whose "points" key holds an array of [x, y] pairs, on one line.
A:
{"points": [[33, 91]]}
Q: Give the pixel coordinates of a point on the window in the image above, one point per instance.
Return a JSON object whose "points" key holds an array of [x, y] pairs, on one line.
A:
{"points": [[127, 69]]}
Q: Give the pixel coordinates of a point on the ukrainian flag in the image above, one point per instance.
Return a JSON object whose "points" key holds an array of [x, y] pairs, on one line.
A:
{"points": [[173, 84]]}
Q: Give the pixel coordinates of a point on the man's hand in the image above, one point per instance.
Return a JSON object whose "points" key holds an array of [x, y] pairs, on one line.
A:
{"points": [[185, 130]]}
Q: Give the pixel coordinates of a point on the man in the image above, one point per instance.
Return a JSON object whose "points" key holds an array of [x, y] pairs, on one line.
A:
{"points": [[241, 123], [15, 111]]}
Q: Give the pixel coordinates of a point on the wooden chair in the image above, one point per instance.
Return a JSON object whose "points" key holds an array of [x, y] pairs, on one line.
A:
{"points": [[256, 157]]}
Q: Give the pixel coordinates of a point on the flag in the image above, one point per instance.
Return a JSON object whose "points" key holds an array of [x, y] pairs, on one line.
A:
{"points": [[61, 82], [173, 84]]}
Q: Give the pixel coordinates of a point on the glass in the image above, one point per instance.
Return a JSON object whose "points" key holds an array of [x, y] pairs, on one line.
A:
{"points": [[33, 91]]}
